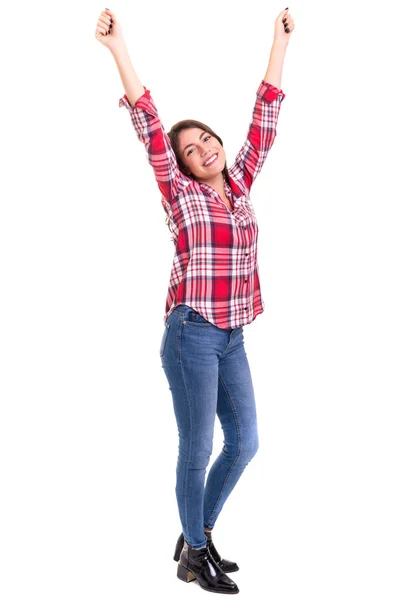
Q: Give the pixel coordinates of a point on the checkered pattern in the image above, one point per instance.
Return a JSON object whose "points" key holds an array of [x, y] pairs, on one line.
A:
{"points": [[215, 269]]}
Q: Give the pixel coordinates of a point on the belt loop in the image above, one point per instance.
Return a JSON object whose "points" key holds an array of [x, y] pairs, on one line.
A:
{"points": [[185, 311]]}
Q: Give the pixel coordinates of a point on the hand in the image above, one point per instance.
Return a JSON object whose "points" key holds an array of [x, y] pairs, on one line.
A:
{"points": [[280, 34], [108, 30]]}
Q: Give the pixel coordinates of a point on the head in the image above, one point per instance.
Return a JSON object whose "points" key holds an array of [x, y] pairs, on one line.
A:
{"points": [[193, 143]]}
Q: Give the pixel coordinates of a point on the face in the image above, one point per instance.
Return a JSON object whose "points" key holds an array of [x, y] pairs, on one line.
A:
{"points": [[196, 147]]}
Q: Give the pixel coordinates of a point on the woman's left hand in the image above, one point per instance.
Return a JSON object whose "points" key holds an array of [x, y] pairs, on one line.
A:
{"points": [[280, 26]]}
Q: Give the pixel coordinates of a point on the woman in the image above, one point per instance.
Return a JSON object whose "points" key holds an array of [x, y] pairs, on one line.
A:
{"points": [[214, 290]]}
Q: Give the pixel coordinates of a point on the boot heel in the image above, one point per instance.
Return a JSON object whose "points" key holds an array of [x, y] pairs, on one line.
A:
{"points": [[184, 574]]}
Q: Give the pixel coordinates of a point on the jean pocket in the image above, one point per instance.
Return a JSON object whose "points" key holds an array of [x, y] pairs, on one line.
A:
{"points": [[195, 318], [164, 339]]}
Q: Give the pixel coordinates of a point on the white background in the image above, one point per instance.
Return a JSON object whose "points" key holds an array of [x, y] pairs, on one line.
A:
{"points": [[88, 437]]}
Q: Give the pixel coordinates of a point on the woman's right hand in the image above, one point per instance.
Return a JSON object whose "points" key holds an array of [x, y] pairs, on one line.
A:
{"points": [[108, 30]]}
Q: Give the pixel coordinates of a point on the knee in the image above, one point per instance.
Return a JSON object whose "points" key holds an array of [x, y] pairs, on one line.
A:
{"points": [[197, 458], [243, 449], [249, 447]]}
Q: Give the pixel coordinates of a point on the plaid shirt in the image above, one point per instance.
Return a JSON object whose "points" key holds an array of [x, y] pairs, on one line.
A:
{"points": [[215, 269]]}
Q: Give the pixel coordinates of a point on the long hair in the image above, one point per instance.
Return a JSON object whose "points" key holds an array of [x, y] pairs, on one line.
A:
{"points": [[173, 135]]}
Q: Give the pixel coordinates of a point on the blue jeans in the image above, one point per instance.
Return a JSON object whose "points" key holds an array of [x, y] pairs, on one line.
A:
{"points": [[208, 375]]}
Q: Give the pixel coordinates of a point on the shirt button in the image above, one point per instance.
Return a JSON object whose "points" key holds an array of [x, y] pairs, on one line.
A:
{"points": [[245, 308], [245, 280]]}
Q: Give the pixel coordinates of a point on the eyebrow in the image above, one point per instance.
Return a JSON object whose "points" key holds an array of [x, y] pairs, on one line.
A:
{"points": [[193, 144]]}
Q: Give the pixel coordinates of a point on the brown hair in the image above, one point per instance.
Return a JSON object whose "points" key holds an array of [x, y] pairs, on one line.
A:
{"points": [[173, 135]]}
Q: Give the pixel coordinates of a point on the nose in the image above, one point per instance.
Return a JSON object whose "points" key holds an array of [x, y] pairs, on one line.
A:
{"points": [[207, 151]]}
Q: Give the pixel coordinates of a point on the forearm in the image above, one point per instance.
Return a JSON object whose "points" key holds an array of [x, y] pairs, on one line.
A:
{"points": [[133, 88], [273, 74]]}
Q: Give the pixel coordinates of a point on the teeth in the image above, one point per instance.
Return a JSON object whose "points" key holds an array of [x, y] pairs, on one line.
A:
{"points": [[211, 160]]}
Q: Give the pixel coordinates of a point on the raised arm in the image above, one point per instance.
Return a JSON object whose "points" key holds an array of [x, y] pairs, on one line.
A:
{"points": [[151, 133], [263, 126], [132, 85], [109, 33], [143, 112], [260, 135]]}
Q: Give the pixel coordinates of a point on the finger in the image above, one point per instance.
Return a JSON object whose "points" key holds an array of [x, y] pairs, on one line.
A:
{"points": [[102, 29], [105, 20], [103, 23]]}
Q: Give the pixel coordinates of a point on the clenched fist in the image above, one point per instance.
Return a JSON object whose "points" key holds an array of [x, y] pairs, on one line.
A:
{"points": [[108, 30], [284, 26]]}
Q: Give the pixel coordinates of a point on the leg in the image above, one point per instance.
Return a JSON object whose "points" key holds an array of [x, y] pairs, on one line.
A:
{"points": [[190, 363], [236, 411]]}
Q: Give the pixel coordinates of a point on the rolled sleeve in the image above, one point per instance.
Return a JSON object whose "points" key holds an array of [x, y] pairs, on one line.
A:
{"points": [[269, 92], [143, 102]]}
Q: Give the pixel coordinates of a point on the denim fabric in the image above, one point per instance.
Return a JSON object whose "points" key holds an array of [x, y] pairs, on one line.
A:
{"points": [[208, 374]]}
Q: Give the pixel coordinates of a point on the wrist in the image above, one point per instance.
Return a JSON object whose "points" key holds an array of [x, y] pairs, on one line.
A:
{"points": [[118, 48], [280, 43]]}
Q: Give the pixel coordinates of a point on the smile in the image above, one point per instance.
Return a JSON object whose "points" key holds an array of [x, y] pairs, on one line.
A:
{"points": [[211, 160]]}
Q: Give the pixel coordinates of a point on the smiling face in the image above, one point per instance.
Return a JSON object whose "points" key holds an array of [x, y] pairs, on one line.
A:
{"points": [[197, 147]]}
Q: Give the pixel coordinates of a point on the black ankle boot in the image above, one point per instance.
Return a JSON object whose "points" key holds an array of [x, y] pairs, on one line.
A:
{"points": [[226, 565], [200, 565]]}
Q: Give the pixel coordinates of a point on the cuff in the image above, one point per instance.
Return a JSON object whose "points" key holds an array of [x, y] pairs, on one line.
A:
{"points": [[269, 92], [141, 102]]}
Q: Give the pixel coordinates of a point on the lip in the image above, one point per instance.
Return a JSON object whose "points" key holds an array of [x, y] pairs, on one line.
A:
{"points": [[214, 154]]}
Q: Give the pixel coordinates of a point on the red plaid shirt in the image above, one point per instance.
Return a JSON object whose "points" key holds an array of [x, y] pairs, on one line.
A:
{"points": [[215, 268]]}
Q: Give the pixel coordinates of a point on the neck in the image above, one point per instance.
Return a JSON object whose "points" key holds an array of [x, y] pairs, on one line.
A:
{"points": [[217, 183]]}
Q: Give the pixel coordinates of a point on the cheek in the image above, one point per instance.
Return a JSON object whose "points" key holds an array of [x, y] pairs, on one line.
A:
{"points": [[184, 160], [186, 164]]}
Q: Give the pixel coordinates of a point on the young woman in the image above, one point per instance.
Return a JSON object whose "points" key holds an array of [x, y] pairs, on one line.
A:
{"points": [[214, 290]]}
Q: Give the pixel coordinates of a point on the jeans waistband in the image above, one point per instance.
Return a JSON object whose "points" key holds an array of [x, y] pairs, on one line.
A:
{"points": [[182, 308]]}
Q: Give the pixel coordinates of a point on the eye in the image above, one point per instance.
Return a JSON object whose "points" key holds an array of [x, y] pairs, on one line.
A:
{"points": [[205, 139]]}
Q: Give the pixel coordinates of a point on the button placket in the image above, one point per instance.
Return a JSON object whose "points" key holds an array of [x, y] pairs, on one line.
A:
{"points": [[215, 195]]}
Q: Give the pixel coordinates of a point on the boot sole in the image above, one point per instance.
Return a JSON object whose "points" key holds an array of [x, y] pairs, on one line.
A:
{"points": [[187, 576]]}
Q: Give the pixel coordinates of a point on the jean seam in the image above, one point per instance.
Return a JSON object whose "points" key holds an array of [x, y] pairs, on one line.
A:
{"points": [[178, 340], [190, 447], [165, 340], [238, 451]]}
